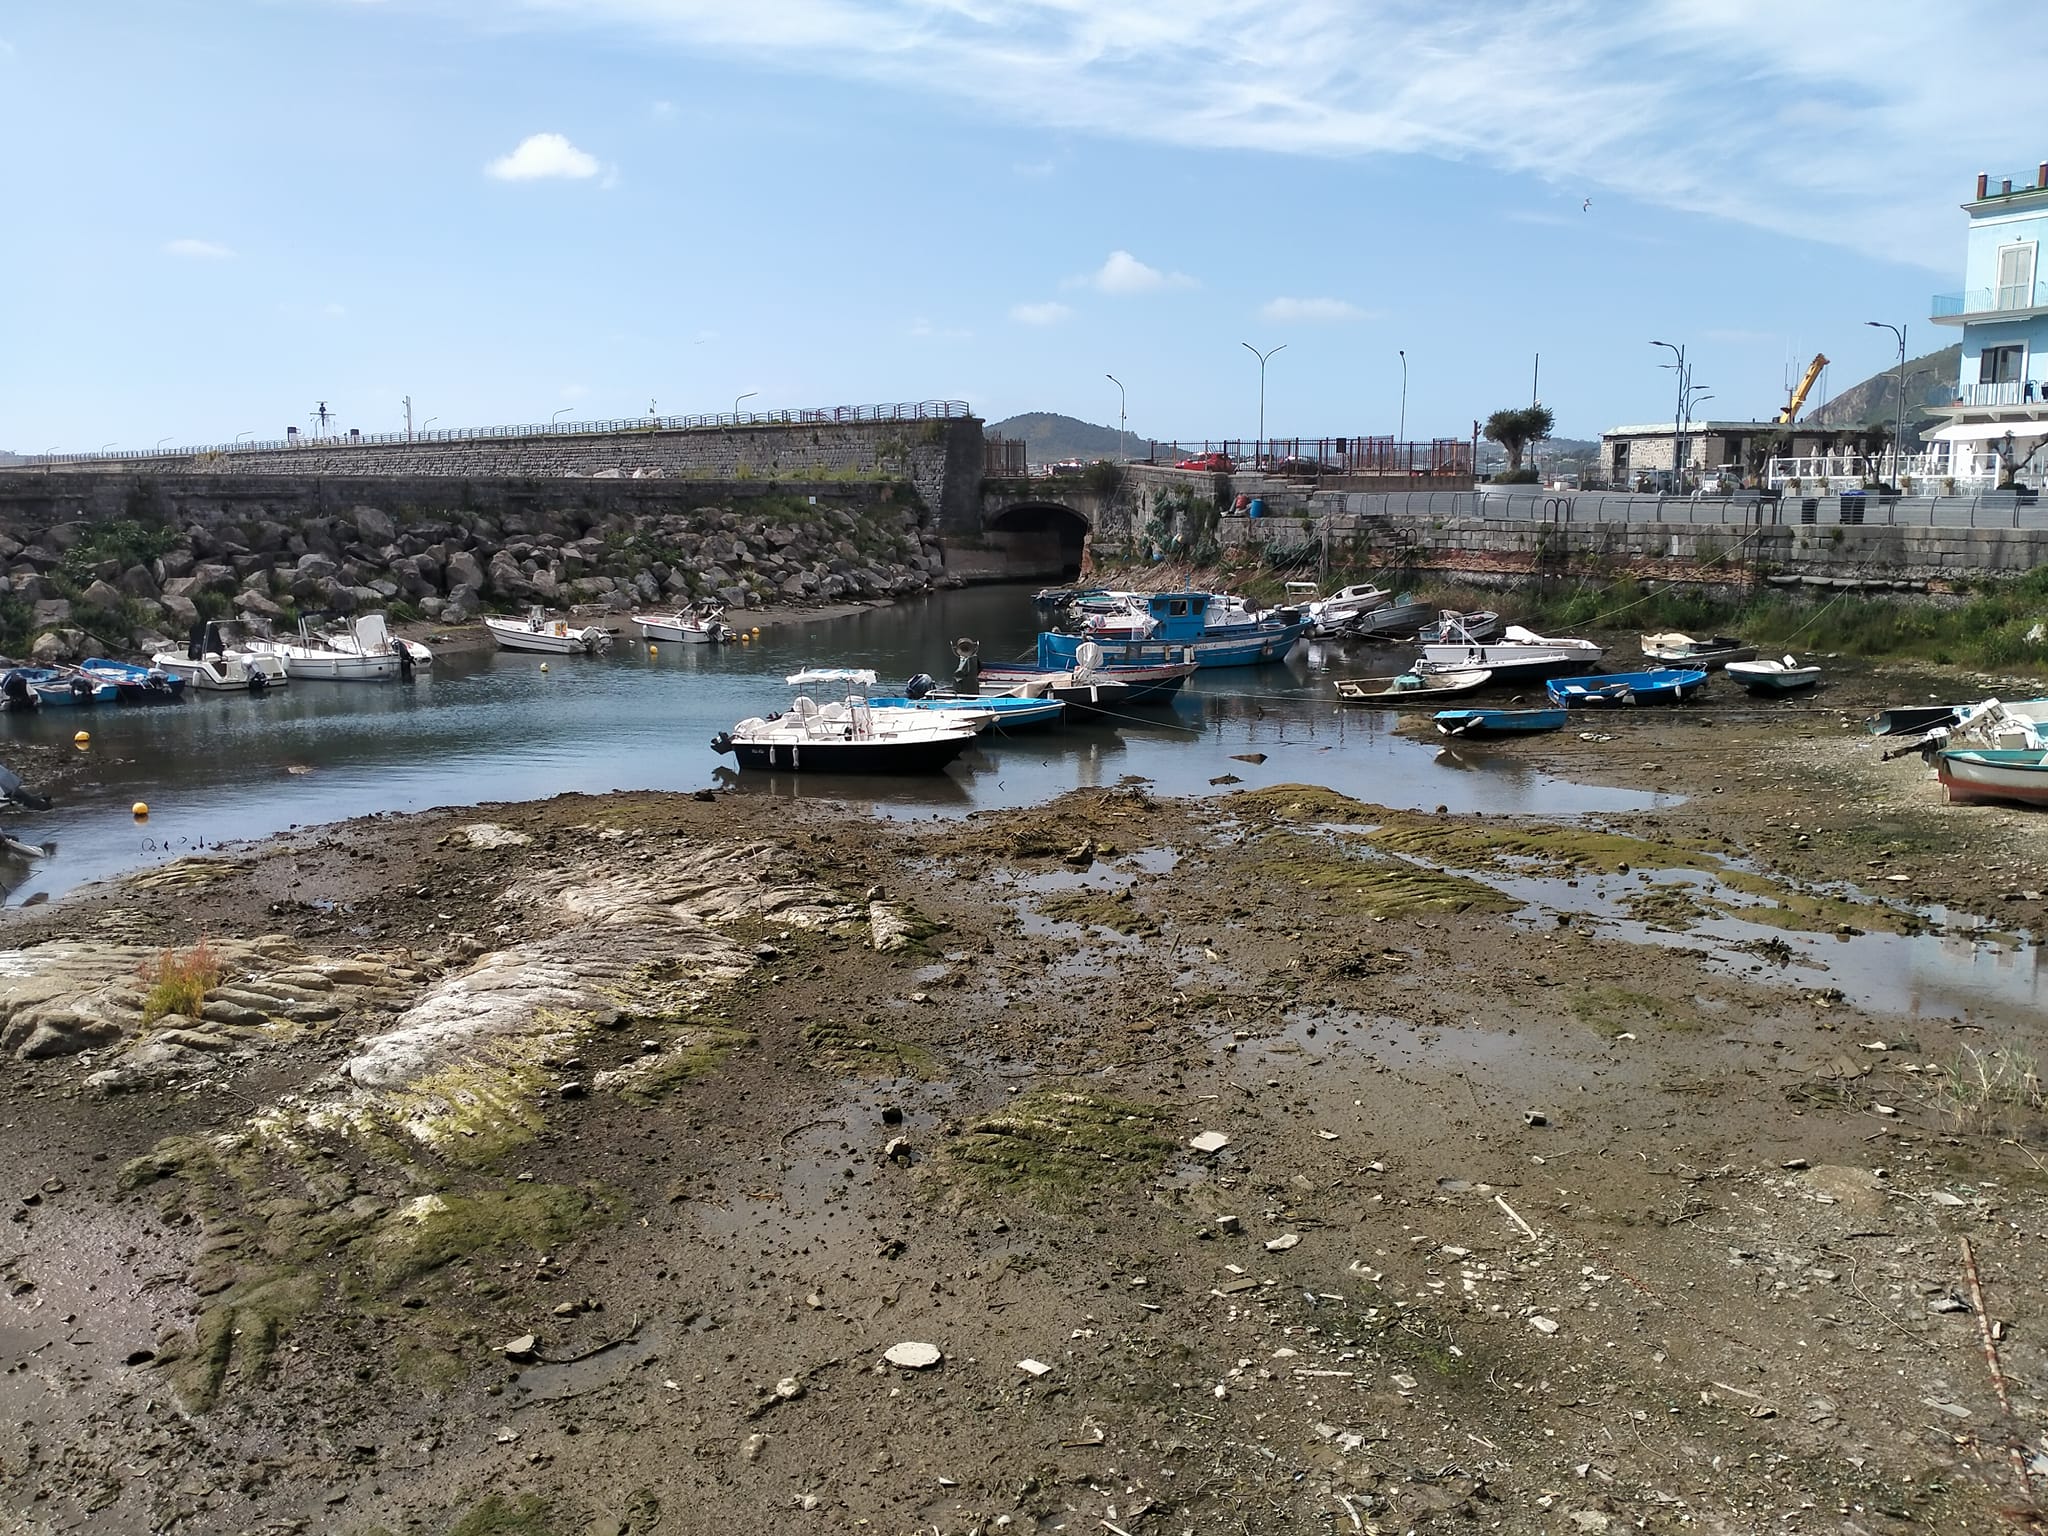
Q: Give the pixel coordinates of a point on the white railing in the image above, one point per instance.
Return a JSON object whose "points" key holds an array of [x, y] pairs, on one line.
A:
{"points": [[2011, 392], [915, 410], [1969, 468]]}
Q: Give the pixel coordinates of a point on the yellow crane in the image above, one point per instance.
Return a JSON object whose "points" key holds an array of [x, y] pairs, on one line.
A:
{"points": [[1791, 412]]}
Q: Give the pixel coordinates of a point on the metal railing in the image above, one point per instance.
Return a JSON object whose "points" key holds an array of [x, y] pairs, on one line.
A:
{"points": [[2007, 392], [1989, 301], [916, 410], [1990, 509], [1313, 456]]}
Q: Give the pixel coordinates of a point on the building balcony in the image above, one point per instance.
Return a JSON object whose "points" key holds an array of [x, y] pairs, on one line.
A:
{"points": [[2012, 392], [1989, 304]]}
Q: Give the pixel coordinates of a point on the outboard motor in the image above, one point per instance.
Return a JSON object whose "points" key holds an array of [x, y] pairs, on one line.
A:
{"points": [[920, 686], [15, 792], [195, 640], [967, 666], [214, 644], [15, 689]]}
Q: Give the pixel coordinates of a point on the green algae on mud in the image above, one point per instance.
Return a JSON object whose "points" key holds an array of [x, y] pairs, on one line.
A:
{"points": [[1113, 910], [1617, 1011], [1056, 1147], [1378, 887]]}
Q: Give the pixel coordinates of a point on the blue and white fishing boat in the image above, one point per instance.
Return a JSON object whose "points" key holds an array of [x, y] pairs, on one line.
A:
{"points": [[1660, 685], [133, 684], [1000, 712], [1477, 724], [2016, 774], [57, 687], [1179, 630]]}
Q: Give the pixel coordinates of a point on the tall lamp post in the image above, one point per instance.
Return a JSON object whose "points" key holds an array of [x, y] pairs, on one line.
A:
{"points": [[1123, 444], [1401, 436], [747, 396], [1677, 416], [1261, 356], [1899, 438], [564, 411]]}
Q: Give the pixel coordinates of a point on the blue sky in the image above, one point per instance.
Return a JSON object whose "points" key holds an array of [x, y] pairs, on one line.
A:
{"points": [[223, 211]]}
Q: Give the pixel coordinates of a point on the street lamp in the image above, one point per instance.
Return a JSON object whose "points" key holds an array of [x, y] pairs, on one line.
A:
{"points": [[1123, 445], [747, 396], [161, 441], [240, 435], [1261, 356], [1677, 416], [105, 446], [428, 422], [565, 410], [1401, 436], [1898, 440]]}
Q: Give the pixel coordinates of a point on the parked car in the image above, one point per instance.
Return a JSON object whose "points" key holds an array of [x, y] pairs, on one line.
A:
{"points": [[1065, 467], [1297, 465], [1212, 463]]}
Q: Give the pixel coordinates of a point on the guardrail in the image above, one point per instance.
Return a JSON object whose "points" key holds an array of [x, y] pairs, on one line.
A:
{"points": [[1991, 510], [916, 410]]}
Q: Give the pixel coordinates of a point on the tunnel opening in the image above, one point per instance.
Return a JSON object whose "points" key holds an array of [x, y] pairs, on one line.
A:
{"points": [[1039, 540]]}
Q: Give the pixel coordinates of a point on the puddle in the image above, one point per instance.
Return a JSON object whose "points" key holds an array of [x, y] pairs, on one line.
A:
{"points": [[547, 1382]]}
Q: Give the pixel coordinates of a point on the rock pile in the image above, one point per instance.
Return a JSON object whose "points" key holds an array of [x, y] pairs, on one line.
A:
{"points": [[78, 588]]}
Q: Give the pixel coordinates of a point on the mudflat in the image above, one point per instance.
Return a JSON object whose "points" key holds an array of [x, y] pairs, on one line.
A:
{"points": [[1274, 1162]]}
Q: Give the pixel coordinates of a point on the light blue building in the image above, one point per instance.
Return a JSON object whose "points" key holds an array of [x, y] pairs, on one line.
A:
{"points": [[1999, 415]]}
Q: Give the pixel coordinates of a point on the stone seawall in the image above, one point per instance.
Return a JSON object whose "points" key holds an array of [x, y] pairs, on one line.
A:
{"points": [[942, 458], [118, 559], [1873, 555]]}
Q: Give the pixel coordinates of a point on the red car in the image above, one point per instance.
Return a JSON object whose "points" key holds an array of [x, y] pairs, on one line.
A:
{"points": [[1213, 463]]}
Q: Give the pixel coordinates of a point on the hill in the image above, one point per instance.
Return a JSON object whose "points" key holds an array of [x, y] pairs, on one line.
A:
{"points": [[1930, 380], [1051, 437]]}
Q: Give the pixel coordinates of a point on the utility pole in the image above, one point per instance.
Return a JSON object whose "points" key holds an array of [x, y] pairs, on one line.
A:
{"points": [[407, 402], [1401, 435], [1535, 375]]}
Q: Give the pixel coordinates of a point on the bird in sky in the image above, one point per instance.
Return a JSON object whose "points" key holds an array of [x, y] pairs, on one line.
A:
{"points": [[1586, 206]]}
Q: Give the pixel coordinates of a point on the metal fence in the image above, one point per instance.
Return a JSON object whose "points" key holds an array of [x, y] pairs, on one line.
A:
{"points": [[1325, 455], [916, 410], [1995, 509]]}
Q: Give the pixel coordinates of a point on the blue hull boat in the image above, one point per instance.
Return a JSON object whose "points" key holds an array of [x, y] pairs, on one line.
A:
{"points": [[1175, 627], [1477, 724], [133, 684], [54, 688], [1010, 714], [1661, 685]]}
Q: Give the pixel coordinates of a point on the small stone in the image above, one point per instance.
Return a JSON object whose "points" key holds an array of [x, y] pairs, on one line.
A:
{"points": [[571, 1090], [892, 1115], [1283, 1242], [1230, 1225], [1209, 1141], [507, 1436], [1535, 1117], [808, 1501], [913, 1356], [566, 1309], [753, 1446], [789, 1389], [1544, 1324], [521, 1348], [898, 1149], [1033, 1367], [814, 1301]]}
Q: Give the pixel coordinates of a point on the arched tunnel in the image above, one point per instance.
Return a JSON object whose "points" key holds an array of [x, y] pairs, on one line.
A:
{"points": [[1040, 540]]}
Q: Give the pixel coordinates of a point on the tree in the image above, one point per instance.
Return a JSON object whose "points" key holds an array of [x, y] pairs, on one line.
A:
{"points": [[1515, 430]]}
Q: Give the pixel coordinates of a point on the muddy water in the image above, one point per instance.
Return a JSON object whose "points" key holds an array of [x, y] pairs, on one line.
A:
{"points": [[494, 727]]}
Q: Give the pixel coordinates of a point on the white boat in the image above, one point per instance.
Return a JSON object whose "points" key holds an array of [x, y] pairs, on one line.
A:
{"points": [[1343, 605], [311, 659], [687, 626], [1516, 655], [538, 632], [849, 735], [234, 671], [2016, 774], [371, 635], [1772, 677]]}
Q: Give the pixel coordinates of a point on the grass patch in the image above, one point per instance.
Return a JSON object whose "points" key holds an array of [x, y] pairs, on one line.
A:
{"points": [[1378, 887], [1305, 803], [1464, 843], [429, 1231], [179, 983], [698, 1051], [1995, 1088], [1058, 1148], [526, 1514], [864, 1047]]}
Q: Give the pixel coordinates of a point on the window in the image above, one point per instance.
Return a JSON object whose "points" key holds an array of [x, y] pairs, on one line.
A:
{"points": [[1177, 608], [2016, 276], [2000, 365]]}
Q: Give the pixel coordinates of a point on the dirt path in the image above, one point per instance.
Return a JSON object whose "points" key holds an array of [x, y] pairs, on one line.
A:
{"points": [[1272, 1163]]}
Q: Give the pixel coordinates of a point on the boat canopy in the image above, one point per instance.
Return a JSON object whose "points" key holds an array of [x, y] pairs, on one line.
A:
{"points": [[863, 676]]}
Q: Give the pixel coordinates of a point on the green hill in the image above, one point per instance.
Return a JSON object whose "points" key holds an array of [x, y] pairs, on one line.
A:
{"points": [[1930, 380], [1051, 438]]}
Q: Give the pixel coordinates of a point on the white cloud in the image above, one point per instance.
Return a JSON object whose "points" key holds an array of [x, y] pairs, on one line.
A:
{"points": [[1310, 311], [1124, 274], [1052, 312], [1696, 105], [197, 250], [542, 156]]}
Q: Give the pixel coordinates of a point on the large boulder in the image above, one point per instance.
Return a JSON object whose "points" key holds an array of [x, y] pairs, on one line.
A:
{"points": [[60, 645], [102, 595], [180, 612], [50, 613], [176, 563], [318, 565], [464, 570], [137, 581], [251, 604], [374, 526]]}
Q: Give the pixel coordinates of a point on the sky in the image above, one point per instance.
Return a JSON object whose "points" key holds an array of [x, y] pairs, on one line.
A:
{"points": [[220, 213]]}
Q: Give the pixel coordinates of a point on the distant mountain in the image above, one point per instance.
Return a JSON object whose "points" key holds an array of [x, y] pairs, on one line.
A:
{"points": [[1050, 438], [1930, 380]]}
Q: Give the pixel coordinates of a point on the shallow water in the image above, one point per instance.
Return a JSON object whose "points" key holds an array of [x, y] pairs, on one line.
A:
{"points": [[493, 727]]}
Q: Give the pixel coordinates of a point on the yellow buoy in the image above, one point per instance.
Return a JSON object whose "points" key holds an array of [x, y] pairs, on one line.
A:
{"points": [[755, 630], [653, 649], [543, 666], [140, 809], [82, 737]]}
